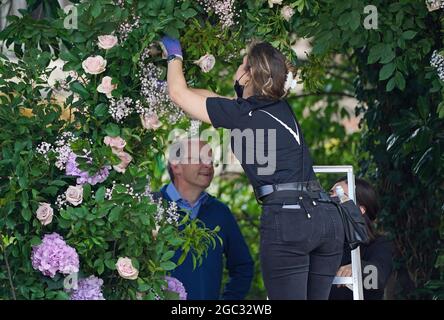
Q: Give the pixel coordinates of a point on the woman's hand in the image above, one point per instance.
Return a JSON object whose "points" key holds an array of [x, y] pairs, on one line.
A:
{"points": [[172, 46], [344, 271]]}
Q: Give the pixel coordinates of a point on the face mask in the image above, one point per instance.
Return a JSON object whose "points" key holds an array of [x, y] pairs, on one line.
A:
{"points": [[238, 88]]}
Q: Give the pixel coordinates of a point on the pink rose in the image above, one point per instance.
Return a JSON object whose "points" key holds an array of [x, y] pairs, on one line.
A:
{"points": [[150, 121], [125, 159], [74, 195], [206, 62], [116, 143], [107, 42], [44, 213], [272, 2], [287, 12], [106, 87], [126, 270], [94, 65]]}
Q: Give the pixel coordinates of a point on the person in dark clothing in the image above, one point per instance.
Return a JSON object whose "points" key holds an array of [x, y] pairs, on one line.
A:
{"points": [[190, 177], [375, 256], [301, 231]]}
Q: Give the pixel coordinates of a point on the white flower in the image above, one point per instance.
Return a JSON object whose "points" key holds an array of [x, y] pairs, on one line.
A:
{"points": [[45, 213], [74, 195], [273, 2], [106, 87], [206, 62], [155, 232], [287, 12], [94, 65], [107, 42], [291, 82], [126, 269]]}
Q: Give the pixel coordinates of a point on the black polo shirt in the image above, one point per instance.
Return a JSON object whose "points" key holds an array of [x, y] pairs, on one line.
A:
{"points": [[243, 116]]}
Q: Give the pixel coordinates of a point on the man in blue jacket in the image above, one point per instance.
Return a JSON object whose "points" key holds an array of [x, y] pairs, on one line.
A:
{"points": [[191, 173]]}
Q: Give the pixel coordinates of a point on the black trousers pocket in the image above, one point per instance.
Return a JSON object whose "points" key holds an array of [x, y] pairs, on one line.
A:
{"points": [[294, 225]]}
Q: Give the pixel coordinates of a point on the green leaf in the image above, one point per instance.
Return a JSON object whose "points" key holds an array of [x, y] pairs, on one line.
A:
{"points": [[188, 13], [112, 129], [168, 265], [114, 214], [390, 85], [399, 80], [409, 35], [441, 110], [77, 87], [101, 110], [100, 194], [26, 214], [355, 20], [110, 264], [96, 9], [386, 71], [167, 256]]}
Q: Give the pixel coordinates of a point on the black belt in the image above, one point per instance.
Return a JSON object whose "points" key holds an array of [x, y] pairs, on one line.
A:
{"points": [[311, 187]]}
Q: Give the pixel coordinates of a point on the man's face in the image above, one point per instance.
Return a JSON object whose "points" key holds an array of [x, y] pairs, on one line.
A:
{"points": [[196, 167]]}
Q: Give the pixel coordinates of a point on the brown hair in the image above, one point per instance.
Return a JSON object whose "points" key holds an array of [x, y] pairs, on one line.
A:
{"points": [[268, 68], [367, 197]]}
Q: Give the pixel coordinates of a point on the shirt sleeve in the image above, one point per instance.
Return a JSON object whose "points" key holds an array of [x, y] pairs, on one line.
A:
{"points": [[225, 113]]}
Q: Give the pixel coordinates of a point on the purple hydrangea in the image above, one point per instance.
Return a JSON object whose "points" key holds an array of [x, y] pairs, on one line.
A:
{"points": [[83, 176], [54, 255], [175, 285], [88, 289]]}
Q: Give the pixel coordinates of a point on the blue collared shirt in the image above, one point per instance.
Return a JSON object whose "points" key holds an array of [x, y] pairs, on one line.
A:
{"points": [[184, 204]]}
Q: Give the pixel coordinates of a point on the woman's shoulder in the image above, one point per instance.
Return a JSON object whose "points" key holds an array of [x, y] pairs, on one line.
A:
{"points": [[381, 242]]}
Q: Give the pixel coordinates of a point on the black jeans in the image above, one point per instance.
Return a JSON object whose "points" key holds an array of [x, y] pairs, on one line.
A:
{"points": [[301, 248]]}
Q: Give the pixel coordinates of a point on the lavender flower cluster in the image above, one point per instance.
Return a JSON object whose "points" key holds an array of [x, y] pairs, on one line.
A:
{"points": [[224, 10], [88, 289], [54, 255], [83, 176], [175, 285], [62, 149], [437, 61]]}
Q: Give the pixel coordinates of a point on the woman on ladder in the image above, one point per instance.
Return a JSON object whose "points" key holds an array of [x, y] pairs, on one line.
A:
{"points": [[302, 237]]}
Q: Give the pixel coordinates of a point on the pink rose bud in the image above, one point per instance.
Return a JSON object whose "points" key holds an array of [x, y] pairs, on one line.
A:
{"points": [[150, 121], [116, 143], [106, 87], [94, 65], [107, 42], [287, 12], [125, 159], [125, 269], [206, 62]]}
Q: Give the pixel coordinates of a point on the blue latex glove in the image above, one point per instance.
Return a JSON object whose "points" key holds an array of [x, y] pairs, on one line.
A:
{"points": [[172, 46]]}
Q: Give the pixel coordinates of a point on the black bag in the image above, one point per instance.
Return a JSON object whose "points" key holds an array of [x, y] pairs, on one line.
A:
{"points": [[355, 228]]}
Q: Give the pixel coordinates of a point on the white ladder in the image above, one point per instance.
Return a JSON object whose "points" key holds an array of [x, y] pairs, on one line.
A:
{"points": [[354, 282]]}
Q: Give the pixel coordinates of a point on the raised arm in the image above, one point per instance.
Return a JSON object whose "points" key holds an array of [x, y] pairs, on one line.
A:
{"points": [[192, 101]]}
